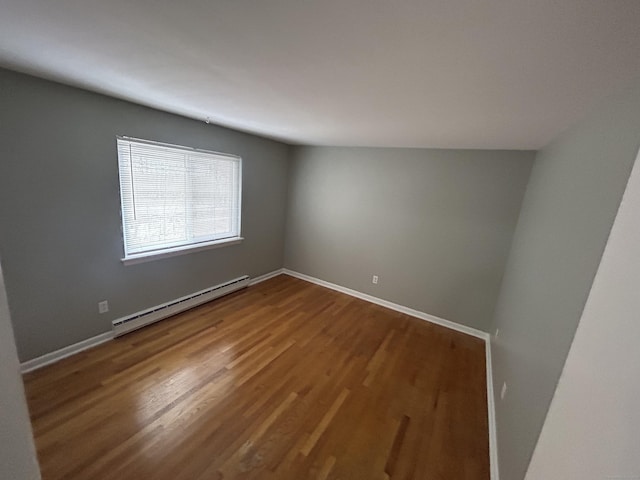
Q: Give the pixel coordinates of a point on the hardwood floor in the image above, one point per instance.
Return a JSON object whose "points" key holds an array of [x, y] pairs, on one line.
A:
{"points": [[283, 380]]}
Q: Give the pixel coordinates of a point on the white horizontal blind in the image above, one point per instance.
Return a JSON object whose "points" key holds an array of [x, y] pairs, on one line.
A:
{"points": [[174, 196]]}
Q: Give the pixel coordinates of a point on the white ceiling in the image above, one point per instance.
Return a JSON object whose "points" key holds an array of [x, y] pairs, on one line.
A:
{"points": [[410, 73]]}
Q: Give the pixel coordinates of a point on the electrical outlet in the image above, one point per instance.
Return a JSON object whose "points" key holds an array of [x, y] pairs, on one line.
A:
{"points": [[497, 332], [504, 391], [374, 279], [103, 307]]}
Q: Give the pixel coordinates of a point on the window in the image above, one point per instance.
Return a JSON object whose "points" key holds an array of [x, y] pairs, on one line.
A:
{"points": [[176, 198]]}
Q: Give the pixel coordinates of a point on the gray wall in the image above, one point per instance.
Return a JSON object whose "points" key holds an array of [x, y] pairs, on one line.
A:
{"points": [[435, 225], [17, 455], [60, 234], [570, 204], [605, 400]]}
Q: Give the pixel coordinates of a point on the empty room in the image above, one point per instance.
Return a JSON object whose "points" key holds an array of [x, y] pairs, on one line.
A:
{"points": [[289, 240]]}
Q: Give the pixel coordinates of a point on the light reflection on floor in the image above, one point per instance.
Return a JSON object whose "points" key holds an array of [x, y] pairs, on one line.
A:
{"points": [[173, 424]]}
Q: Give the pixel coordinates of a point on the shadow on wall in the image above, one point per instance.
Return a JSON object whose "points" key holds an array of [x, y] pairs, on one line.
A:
{"points": [[571, 201]]}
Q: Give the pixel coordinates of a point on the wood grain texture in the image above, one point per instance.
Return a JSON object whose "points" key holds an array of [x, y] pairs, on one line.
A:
{"points": [[283, 380]]}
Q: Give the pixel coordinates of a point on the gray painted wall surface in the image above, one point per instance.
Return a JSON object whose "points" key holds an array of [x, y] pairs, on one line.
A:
{"points": [[435, 225], [17, 454], [592, 430], [570, 204], [60, 231]]}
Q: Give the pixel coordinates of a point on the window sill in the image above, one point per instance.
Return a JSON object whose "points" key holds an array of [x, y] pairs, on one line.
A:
{"points": [[172, 252]]}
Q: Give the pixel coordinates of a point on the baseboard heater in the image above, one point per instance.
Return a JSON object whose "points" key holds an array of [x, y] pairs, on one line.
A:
{"points": [[154, 314]]}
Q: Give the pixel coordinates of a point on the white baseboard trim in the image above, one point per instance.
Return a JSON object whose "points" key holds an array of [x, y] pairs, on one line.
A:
{"points": [[65, 352], [266, 276], [491, 410], [393, 306]]}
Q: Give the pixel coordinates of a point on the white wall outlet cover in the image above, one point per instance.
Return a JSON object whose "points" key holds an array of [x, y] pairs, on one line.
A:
{"points": [[103, 307], [374, 279]]}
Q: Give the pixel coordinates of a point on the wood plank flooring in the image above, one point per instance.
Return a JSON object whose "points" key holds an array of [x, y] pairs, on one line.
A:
{"points": [[283, 380]]}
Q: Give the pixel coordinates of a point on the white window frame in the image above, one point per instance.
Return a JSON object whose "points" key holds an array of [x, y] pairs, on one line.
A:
{"points": [[170, 251]]}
